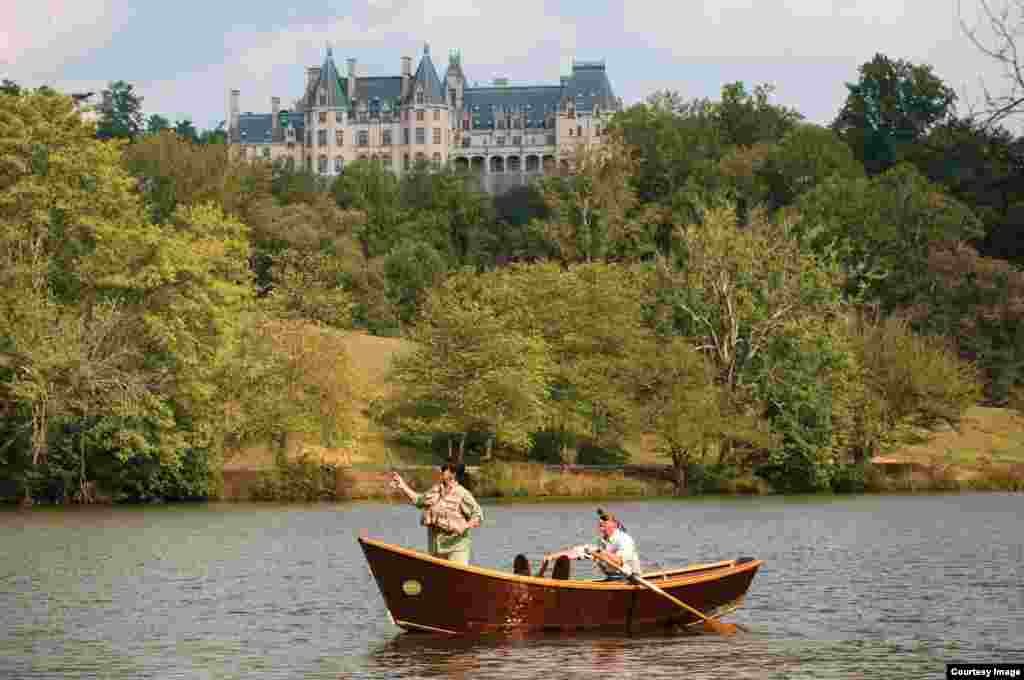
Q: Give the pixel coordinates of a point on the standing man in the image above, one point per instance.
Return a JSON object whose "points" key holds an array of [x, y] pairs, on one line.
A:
{"points": [[614, 545], [449, 512]]}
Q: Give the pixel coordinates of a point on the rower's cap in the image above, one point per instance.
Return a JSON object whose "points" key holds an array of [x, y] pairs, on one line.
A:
{"points": [[604, 515]]}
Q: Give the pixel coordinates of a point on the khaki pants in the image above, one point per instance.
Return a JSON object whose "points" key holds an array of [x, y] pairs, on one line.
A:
{"points": [[459, 556]]}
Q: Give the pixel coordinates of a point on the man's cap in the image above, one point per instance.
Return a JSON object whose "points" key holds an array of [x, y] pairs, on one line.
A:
{"points": [[605, 515]]}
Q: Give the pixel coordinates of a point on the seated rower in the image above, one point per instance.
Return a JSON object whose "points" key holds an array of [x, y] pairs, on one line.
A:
{"points": [[614, 544]]}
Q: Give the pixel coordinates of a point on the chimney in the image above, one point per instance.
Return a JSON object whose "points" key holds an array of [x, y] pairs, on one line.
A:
{"points": [[275, 109], [232, 111], [406, 75], [351, 77]]}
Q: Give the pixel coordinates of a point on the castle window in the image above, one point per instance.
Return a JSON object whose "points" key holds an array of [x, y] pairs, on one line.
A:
{"points": [[322, 116], [323, 98], [339, 137], [421, 135], [309, 138], [420, 158], [516, 141], [309, 164], [362, 116], [405, 161], [405, 136], [386, 137], [451, 96], [321, 165], [419, 96], [266, 152], [338, 163], [436, 161], [437, 114], [419, 115], [500, 141], [364, 138], [321, 137], [437, 135], [501, 124], [339, 116]]}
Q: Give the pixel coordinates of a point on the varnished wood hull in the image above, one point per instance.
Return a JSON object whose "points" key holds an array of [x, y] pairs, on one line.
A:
{"points": [[427, 594]]}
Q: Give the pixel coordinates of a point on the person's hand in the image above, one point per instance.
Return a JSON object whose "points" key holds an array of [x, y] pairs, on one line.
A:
{"points": [[473, 523], [396, 481]]}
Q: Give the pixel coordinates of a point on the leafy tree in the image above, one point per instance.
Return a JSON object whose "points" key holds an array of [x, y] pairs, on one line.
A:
{"points": [[590, 207], [470, 372], [891, 107], [412, 269], [187, 131], [747, 118], [882, 229], [217, 135], [982, 166], [121, 116], [373, 190], [156, 124], [9, 87], [806, 156], [739, 288]]}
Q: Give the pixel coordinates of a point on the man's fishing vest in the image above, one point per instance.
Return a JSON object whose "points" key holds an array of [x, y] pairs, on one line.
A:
{"points": [[443, 511]]}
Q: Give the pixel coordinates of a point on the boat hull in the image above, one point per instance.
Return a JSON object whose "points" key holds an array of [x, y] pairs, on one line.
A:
{"points": [[427, 594]]}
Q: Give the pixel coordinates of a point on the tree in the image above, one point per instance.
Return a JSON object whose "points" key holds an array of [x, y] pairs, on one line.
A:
{"points": [[187, 131], [890, 108], [806, 156], [736, 289], [746, 119], [882, 230], [120, 113], [981, 165], [589, 208], [9, 87], [156, 124], [995, 35], [470, 372]]}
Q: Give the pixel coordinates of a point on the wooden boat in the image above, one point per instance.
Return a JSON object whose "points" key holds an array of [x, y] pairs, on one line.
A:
{"points": [[427, 594]]}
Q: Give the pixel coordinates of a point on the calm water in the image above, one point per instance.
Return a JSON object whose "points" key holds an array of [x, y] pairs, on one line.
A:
{"points": [[852, 588]]}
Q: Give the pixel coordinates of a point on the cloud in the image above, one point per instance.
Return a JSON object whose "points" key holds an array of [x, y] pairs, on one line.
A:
{"points": [[39, 37], [377, 33]]}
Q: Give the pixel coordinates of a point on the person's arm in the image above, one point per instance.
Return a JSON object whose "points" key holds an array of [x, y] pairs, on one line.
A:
{"points": [[398, 483], [472, 511]]}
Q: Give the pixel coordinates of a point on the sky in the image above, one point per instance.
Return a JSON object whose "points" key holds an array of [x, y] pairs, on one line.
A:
{"points": [[183, 57]]}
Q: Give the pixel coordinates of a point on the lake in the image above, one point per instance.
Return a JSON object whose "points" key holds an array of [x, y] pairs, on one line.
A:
{"points": [[852, 587]]}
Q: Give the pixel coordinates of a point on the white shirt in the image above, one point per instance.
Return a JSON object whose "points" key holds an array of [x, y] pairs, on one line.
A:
{"points": [[621, 545]]}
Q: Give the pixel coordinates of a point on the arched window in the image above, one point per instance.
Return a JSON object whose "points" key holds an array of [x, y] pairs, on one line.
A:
{"points": [[321, 164], [436, 160], [339, 163]]}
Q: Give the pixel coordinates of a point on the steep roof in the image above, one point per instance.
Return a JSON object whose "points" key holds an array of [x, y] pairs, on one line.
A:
{"points": [[383, 90], [589, 86], [333, 84], [255, 128], [426, 76], [535, 101]]}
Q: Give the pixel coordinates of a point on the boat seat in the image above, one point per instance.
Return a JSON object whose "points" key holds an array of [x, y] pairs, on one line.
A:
{"points": [[521, 565], [563, 567]]}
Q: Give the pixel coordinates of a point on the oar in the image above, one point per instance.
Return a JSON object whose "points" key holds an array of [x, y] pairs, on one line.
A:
{"points": [[709, 623]]}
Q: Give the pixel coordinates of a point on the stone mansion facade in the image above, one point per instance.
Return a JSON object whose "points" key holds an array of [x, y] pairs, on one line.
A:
{"points": [[507, 134]]}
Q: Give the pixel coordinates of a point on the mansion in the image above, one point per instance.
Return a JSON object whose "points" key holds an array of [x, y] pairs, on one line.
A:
{"points": [[507, 134]]}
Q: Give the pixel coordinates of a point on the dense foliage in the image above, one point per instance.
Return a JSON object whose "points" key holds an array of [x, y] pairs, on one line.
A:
{"points": [[753, 296]]}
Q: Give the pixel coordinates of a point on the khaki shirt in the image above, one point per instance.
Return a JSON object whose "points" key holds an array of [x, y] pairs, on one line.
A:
{"points": [[441, 542]]}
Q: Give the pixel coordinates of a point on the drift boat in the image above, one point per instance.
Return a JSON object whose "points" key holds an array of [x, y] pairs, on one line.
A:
{"points": [[427, 594]]}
